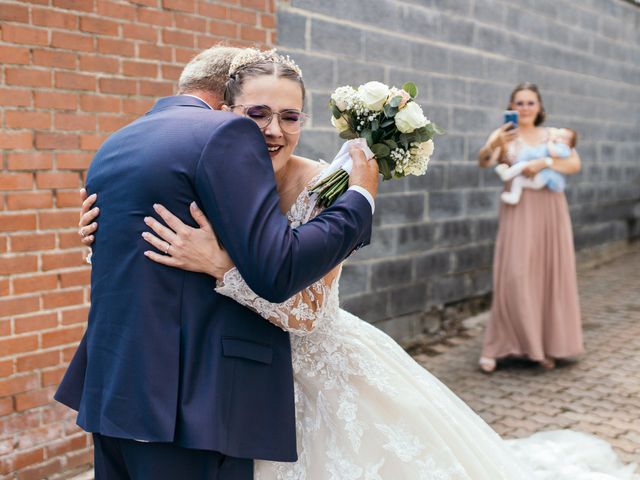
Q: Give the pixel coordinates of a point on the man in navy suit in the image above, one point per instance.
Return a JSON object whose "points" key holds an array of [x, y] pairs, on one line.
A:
{"points": [[174, 380]]}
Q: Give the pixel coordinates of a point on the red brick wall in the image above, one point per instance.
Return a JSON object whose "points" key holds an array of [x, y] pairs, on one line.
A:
{"points": [[71, 72]]}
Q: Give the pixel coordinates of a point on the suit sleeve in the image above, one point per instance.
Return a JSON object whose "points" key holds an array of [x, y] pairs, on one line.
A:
{"points": [[235, 182]]}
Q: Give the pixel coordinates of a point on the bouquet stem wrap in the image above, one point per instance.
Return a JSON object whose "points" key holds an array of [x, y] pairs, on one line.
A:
{"points": [[335, 179]]}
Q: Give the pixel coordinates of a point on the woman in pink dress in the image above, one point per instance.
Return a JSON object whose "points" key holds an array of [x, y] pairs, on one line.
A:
{"points": [[535, 311]]}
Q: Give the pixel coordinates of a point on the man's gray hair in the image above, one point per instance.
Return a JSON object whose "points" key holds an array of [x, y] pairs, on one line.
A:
{"points": [[208, 71]]}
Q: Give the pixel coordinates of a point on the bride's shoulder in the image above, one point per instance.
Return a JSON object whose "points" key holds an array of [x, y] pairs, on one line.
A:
{"points": [[307, 168]]}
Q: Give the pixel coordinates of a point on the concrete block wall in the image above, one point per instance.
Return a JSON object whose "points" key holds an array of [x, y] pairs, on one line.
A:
{"points": [[434, 235]]}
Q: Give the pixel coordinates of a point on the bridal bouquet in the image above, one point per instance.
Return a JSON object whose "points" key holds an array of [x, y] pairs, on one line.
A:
{"points": [[393, 126]]}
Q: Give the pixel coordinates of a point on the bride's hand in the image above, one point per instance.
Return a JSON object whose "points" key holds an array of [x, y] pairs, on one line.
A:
{"points": [[87, 217], [193, 249]]}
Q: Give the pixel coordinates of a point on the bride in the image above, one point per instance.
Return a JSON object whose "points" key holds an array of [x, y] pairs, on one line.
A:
{"points": [[364, 408]]}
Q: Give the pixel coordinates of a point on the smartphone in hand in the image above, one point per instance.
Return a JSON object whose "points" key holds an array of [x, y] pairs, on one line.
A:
{"points": [[511, 116]]}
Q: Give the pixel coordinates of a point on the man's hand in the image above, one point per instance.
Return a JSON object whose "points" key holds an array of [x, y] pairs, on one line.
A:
{"points": [[365, 172]]}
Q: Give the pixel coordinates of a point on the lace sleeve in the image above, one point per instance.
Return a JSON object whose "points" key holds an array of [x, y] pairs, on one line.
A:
{"points": [[297, 315]]}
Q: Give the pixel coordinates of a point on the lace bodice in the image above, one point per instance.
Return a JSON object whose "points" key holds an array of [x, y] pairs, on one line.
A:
{"points": [[305, 311]]}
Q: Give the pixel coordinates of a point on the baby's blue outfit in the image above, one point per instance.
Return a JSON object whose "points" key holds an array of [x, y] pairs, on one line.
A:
{"points": [[553, 180]]}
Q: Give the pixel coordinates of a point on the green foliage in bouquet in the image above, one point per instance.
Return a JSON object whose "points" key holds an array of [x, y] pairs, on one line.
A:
{"points": [[380, 130], [393, 125]]}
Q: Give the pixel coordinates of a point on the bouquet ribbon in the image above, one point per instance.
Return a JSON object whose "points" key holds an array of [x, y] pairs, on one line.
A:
{"points": [[343, 160]]}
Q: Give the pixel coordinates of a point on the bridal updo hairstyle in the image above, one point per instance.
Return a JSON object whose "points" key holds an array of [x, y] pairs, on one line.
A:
{"points": [[252, 63], [542, 115]]}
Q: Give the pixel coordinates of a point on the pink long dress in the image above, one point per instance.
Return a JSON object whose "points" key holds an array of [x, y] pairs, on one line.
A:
{"points": [[535, 311]]}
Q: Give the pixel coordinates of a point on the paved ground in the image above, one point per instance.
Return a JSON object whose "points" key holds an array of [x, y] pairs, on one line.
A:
{"points": [[599, 393]]}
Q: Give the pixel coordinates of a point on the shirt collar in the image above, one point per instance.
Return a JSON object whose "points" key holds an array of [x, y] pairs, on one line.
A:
{"points": [[202, 100]]}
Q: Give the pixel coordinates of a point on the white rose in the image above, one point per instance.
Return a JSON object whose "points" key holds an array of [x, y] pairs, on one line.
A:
{"points": [[340, 123], [410, 118], [374, 94]]}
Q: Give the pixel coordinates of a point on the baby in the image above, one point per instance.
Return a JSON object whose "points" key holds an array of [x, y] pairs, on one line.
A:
{"points": [[560, 143]]}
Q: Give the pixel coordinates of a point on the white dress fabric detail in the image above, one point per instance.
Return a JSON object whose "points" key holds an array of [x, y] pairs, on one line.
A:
{"points": [[365, 410]]}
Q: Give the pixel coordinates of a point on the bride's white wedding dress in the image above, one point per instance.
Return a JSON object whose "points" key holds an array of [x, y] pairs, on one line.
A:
{"points": [[366, 410]]}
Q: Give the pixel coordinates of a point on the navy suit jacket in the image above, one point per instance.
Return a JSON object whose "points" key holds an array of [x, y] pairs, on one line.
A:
{"points": [[165, 358]]}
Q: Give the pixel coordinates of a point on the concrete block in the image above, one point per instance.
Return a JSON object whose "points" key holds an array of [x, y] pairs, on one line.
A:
{"points": [[390, 273], [461, 175], [292, 28], [398, 209], [456, 232], [457, 30], [489, 179], [473, 257], [336, 38], [482, 202], [395, 185], [383, 244], [320, 112], [417, 238], [502, 71], [445, 205], [486, 94], [422, 22], [429, 58], [449, 90], [350, 72], [449, 148], [459, 7], [467, 120], [486, 229], [408, 299], [371, 307], [432, 180], [432, 264], [446, 289], [318, 71], [318, 145], [490, 11], [354, 278], [387, 49]]}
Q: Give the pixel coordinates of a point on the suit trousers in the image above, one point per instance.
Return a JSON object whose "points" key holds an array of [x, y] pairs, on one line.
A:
{"points": [[123, 459]]}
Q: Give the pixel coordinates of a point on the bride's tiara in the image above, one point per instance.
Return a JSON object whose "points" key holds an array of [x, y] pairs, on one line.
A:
{"points": [[250, 56]]}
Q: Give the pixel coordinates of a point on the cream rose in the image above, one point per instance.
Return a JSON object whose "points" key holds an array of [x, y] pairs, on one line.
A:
{"points": [[410, 118], [425, 149], [340, 123], [374, 94]]}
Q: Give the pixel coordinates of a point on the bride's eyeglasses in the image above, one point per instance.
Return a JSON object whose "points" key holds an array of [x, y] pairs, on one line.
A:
{"points": [[291, 121]]}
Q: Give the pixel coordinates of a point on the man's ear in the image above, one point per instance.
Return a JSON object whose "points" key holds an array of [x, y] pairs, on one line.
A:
{"points": [[223, 107]]}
